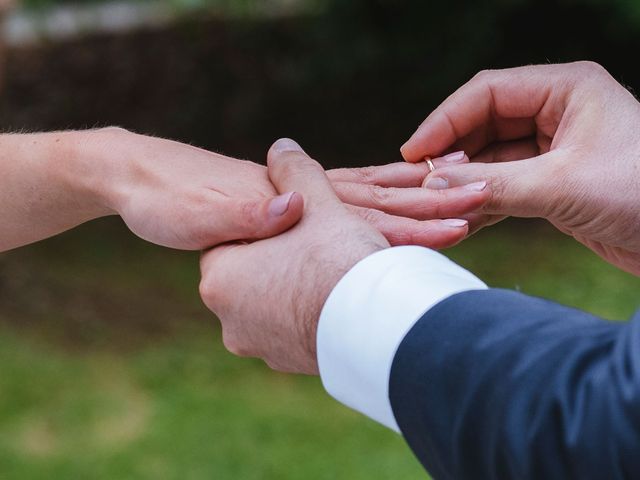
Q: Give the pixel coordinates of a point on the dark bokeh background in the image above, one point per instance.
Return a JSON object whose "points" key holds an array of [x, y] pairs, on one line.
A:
{"points": [[110, 367], [351, 83]]}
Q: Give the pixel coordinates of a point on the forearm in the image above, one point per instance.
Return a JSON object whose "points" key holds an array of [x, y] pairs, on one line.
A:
{"points": [[496, 384], [485, 383], [51, 182]]}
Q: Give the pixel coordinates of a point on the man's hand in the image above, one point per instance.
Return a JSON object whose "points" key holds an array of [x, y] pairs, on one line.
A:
{"points": [[560, 142], [269, 294]]}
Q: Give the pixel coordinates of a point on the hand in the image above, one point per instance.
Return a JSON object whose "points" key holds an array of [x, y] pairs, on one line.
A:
{"points": [[179, 196], [560, 142], [391, 199], [184, 197], [269, 294]]}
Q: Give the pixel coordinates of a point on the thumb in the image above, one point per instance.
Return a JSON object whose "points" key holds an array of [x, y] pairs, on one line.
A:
{"points": [[523, 188], [255, 219], [291, 169]]}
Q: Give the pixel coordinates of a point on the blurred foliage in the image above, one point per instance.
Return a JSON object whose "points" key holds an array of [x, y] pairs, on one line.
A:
{"points": [[349, 81], [227, 7]]}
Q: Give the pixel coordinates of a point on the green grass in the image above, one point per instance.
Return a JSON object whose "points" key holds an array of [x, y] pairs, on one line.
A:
{"points": [[181, 409], [110, 368]]}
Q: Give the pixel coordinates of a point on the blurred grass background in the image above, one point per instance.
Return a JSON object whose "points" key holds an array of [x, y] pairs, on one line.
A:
{"points": [[110, 367]]}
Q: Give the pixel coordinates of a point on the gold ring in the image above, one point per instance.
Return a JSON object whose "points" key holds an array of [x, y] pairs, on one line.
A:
{"points": [[431, 166]]}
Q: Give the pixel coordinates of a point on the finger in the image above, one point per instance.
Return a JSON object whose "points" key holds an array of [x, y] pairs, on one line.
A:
{"points": [[509, 94], [399, 174], [499, 152], [291, 169], [453, 158], [416, 203], [527, 188], [250, 220], [215, 277], [406, 231]]}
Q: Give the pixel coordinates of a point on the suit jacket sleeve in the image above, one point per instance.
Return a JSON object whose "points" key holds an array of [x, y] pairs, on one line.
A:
{"points": [[494, 384]]}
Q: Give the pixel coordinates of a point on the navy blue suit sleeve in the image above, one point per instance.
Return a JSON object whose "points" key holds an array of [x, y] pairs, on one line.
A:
{"points": [[493, 384]]}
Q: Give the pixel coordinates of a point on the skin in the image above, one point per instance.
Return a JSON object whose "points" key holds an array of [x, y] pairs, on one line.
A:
{"points": [[268, 294], [559, 142], [183, 197]]}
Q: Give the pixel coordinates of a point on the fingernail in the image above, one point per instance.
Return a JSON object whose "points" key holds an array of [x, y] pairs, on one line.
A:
{"points": [[454, 157], [280, 204], [476, 187], [455, 223], [286, 145], [437, 183]]}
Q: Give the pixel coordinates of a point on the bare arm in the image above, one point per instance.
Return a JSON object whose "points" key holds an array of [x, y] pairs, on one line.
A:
{"points": [[45, 190], [168, 193]]}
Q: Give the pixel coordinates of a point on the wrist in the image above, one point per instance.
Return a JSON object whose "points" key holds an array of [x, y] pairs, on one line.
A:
{"points": [[365, 249], [92, 168]]}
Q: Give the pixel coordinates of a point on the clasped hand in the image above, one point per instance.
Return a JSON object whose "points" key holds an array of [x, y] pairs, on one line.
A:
{"points": [[268, 294], [184, 197], [559, 142]]}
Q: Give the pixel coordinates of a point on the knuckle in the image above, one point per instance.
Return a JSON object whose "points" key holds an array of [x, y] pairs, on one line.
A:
{"points": [[213, 284], [588, 66], [370, 215], [483, 75], [208, 292], [234, 344], [380, 196], [203, 289], [589, 71], [366, 174], [344, 190], [274, 365]]}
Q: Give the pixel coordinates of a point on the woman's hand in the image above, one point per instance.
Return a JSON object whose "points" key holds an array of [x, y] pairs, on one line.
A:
{"points": [[184, 197], [560, 142], [391, 199], [180, 196]]}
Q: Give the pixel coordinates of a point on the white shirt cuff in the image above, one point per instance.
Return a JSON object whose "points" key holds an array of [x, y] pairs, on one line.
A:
{"points": [[367, 315]]}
